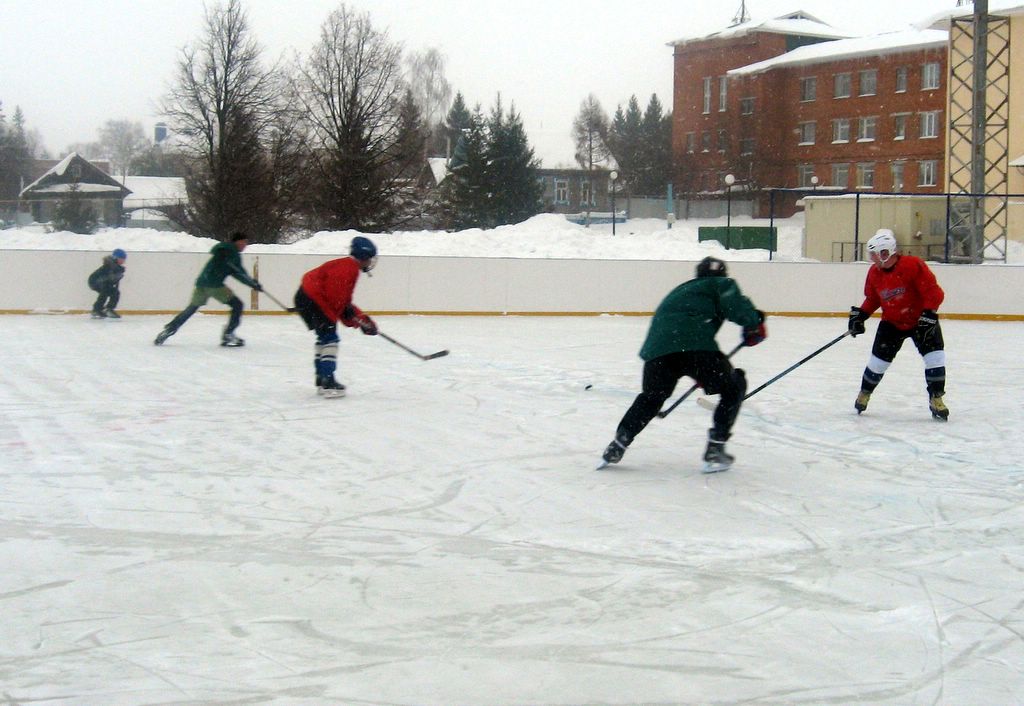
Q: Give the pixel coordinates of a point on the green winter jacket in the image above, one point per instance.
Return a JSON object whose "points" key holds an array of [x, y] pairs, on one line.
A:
{"points": [[225, 262], [690, 316]]}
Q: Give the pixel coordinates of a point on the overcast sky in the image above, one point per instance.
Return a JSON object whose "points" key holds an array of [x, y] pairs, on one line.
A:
{"points": [[74, 64]]}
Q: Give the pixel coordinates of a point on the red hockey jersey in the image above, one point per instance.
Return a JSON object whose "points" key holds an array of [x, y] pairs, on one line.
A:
{"points": [[903, 291], [331, 286]]}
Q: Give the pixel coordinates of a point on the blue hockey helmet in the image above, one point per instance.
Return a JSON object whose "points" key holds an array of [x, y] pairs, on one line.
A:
{"points": [[365, 251], [119, 254]]}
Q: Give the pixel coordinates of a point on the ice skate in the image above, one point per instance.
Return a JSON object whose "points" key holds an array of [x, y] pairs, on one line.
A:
{"points": [[612, 454], [861, 403], [163, 336], [329, 388], [938, 408], [715, 458], [111, 314], [97, 315], [230, 340]]}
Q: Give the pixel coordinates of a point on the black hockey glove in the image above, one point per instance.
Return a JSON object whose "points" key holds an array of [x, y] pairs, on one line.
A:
{"points": [[856, 323], [367, 325], [927, 323]]}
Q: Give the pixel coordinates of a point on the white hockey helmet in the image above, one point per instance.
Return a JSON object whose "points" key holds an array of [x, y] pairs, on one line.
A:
{"points": [[882, 247]]}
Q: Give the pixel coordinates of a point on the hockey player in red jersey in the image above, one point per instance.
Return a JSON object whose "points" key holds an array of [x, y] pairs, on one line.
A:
{"points": [[324, 298], [904, 288]]}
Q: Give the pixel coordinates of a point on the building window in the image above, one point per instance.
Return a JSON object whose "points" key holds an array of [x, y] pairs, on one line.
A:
{"points": [[705, 141], [723, 93], [897, 176], [868, 83], [841, 130], [804, 173], [561, 191], [841, 175], [747, 145], [586, 198], [930, 76], [808, 88], [747, 106], [866, 128], [866, 175], [928, 173], [806, 131], [901, 79], [723, 141], [844, 86], [930, 123], [691, 142], [899, 126], [707, 95]]}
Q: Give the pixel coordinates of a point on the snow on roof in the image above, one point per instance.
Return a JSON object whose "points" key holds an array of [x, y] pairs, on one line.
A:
{"points": [[439, 168], [155, 191], [82, 187], [875, 45], [798, 23], [59, 168], [943, 20]]}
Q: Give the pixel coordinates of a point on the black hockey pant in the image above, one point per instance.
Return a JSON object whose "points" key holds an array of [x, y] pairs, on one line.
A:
{"points": [[712, 371], [108, 298]]}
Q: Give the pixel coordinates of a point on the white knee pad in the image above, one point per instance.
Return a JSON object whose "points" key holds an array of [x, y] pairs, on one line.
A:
{"points": [[935, 359], [877, 365]]}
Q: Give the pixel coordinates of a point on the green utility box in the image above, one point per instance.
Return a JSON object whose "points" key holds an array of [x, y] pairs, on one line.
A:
{"points": [[741, 237]]}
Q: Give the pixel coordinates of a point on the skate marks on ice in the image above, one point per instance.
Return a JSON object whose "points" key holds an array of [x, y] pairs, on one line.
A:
{"points": [[194, 524]]}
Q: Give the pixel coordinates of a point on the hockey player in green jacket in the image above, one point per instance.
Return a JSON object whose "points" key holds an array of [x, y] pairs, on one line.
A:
{"points": [[681, 342], [225, 261]]}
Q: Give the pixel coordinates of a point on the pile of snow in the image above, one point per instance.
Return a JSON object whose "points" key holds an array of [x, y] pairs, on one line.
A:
{"points": [[544, 236]]}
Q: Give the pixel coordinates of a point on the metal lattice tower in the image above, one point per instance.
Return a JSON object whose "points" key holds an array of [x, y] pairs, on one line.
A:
{"points": [[979, 86]]}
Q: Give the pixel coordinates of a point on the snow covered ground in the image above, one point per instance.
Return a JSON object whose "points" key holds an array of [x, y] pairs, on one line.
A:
{"points": [[191, 524]]}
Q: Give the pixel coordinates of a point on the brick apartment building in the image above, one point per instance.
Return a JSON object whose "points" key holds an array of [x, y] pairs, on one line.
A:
{"points": [[792, 102]]}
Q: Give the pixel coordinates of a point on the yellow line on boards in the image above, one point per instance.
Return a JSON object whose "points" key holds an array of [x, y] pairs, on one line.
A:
{"points": [[250, 312]]}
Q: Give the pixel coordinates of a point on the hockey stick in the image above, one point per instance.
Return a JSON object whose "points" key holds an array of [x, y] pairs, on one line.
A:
{"points": [[289, 309], [665, 412], [439, 354], [797, 364]]}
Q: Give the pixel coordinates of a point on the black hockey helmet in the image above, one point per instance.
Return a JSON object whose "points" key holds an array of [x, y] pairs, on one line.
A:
{"points": [[711, 267]]}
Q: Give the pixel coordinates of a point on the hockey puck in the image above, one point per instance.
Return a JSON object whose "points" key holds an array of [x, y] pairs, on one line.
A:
{"points": [[588, 387]]}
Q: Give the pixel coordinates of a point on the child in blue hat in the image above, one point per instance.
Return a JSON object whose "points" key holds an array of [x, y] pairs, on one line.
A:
{"points": [[105, 281]]}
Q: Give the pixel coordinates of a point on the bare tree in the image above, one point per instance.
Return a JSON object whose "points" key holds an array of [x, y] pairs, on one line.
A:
{"points": [[590, 133], [121, 141], [227, 107], [351, 93], [432, 93]]}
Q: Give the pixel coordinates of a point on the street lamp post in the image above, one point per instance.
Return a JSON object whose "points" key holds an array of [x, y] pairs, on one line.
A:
{"points": [[729, 181], [613, 176], [814, 183]]}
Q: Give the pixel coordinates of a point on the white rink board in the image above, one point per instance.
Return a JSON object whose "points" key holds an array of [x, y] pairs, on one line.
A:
{"points": [[34, 280]]}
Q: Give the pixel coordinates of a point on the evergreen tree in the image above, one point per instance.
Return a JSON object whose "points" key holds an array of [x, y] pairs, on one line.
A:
{"points": [[465, 192], [590, 133], [458, 119], [73, 213], [515, 189], [654, 153], [624, 140], [14, 159]]}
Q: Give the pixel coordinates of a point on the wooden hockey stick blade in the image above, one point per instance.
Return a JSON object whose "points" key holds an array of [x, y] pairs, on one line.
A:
{"points": [[439, 354]]}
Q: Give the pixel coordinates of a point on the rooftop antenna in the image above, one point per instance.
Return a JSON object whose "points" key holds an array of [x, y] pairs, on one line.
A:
{"points": [[741, 15]]}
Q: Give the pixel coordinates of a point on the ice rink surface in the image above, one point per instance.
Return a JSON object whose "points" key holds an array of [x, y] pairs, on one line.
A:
{"points": [[190, 524]]}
